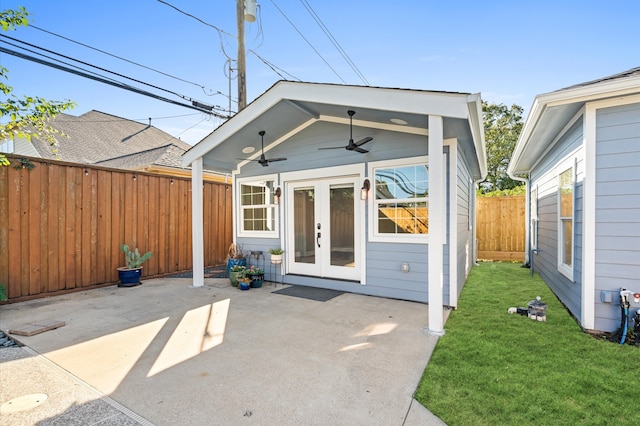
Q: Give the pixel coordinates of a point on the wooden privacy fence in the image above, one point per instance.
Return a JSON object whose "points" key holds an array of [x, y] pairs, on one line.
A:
{"points": [[500, 228], [61, 225]]}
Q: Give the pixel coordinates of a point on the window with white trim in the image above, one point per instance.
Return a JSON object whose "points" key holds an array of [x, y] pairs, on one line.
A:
{"points": [[257, 207], [400, 201], [566, 191]]}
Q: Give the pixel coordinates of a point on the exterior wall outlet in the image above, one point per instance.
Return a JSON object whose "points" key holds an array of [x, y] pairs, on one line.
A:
{"points": [[405, 267]]}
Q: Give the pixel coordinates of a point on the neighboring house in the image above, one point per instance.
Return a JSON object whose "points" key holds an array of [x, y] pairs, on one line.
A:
{"points": [[101, 139], [579, 152], [397, 221]]}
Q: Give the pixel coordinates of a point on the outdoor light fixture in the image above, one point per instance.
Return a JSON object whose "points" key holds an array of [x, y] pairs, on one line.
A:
{"points": [[366, 185], [277, 195]]}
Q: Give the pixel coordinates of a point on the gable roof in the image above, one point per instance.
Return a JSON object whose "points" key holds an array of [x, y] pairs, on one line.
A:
{"points": [[99, 138], [551, 112], [287, 108]]}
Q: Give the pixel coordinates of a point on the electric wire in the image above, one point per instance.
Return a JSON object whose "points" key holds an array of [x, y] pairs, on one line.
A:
{"points": [[308, 42], [204, 89], [333, 40], [220, 32], [274, 67], [104, 80], [90, 65]]}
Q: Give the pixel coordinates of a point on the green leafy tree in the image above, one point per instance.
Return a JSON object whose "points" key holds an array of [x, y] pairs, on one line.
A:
{"points": [[502, 127], [27, 116]]}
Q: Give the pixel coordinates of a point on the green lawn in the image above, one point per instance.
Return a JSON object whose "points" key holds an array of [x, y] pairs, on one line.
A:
{"points": [[493, 368]]}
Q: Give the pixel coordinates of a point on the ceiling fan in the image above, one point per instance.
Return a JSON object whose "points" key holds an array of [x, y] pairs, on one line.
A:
{"points": [[353, 146], [264, 161]]}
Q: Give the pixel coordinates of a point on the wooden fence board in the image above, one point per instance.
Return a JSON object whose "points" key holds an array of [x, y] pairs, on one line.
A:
{"points": [[4, 231], [500, 226], [61, 225]]}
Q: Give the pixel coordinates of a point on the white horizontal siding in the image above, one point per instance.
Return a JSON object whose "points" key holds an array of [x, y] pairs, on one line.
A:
{"points": [[617, 213], [566, 153]]}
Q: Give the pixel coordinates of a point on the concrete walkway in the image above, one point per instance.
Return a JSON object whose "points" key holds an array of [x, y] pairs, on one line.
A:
{"points": [[163, 353]]}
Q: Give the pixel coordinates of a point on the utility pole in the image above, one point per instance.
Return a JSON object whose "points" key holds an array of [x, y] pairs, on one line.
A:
{"points": [[242, 63]]}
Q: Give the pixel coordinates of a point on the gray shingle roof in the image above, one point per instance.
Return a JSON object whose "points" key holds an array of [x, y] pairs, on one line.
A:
{"points": [[628, 73], [99, 138]]}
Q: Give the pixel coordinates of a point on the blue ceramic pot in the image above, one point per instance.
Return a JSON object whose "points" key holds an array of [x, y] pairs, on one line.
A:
{"points": [[243, 285], [235, 262], [129, 277]]}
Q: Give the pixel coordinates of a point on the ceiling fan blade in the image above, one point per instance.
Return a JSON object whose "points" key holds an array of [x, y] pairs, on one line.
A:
{"points": [[363, 141], [333, 147], [270, 160], [360, 150]]}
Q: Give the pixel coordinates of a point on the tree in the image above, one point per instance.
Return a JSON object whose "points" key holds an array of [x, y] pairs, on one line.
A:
{"points": [[27, 116], [502, 127]]}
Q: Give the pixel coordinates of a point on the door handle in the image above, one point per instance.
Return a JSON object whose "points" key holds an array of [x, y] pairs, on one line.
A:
{"points": [[318, 239]]}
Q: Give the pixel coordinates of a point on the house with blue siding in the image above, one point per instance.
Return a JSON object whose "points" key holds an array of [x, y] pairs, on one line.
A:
{"points": [[367, 190], [579, 153]]}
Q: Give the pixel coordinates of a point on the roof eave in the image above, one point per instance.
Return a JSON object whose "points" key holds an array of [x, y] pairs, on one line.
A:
{"points": [[573, 95]]}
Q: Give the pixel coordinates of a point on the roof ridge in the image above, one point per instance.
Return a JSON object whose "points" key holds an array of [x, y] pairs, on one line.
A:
{"points": [[157, 148], [624, 74]]}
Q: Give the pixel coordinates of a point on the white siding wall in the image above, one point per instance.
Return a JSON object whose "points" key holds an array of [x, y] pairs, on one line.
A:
{"points": [[466, 210], [568, 151], [617, 213]]}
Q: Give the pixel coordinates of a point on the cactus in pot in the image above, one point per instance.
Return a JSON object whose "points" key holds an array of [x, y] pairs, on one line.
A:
{"points": [[130, 275]]}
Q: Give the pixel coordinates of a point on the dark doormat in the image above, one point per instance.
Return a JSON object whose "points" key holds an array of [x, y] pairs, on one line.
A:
{"points": [[311, 293]]}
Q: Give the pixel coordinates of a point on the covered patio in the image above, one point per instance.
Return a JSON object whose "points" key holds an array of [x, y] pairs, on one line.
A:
{"points": [[218, 355]]}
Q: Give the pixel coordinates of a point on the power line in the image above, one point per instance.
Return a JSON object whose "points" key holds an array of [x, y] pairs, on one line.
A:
{"points": [[273, 67], [308, 42], [220, 32], [333, 40], [124, 59], [97, 67], [111, 82]]}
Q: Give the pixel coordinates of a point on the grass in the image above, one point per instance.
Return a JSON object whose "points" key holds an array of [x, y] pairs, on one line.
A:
{"points": [[495, 368]]}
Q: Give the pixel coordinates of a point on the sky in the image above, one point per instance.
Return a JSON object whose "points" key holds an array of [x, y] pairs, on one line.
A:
{"points": [[509, 51]]}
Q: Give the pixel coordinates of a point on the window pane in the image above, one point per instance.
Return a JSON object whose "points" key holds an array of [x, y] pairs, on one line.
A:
{"points": [[403, 218], [393, 187], [258, 208], [342, 225], [567, 252], [566, 194]]}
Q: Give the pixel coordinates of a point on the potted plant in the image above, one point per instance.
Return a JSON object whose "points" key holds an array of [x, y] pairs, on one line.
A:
{"points": [[235, 257], [276, 255], [256, 276], [130, 275], [244, 284], [236, 273]]}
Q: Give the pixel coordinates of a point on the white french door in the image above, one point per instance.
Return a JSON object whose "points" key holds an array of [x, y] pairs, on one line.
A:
{"points": [[323, 233]]}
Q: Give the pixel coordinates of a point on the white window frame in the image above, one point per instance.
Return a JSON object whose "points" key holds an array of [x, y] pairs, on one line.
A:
{"points": [[240, 210], [563, 268], [374, 235]]}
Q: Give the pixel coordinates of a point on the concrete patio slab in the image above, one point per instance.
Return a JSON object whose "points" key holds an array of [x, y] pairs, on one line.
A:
{"points": [[163, 353]]}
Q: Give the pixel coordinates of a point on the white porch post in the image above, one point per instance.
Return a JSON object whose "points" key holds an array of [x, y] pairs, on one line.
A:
{"points": [[197, 223], [437, 223]]}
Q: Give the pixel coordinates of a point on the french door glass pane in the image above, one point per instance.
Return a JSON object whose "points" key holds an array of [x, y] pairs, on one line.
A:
{"points": [[304, 225], [342, 225]]}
